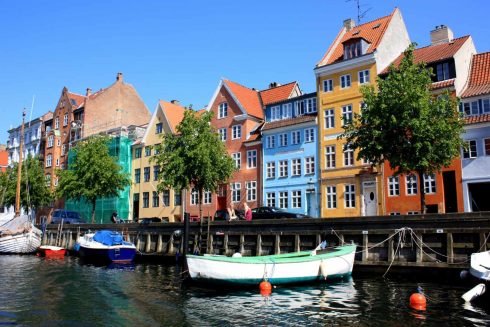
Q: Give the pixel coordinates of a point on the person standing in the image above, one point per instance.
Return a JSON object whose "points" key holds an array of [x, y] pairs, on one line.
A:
{"points": [[248, 212]]}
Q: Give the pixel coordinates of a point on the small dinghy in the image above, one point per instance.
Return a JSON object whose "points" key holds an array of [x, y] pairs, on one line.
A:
{"points": [[51, 251]]}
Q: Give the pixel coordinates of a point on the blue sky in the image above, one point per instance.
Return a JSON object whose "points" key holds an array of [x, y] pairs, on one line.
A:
{"points": [[180, 49]]}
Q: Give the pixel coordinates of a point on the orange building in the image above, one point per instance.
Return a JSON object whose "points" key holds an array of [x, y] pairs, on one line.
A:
{"points": [[4, 157], [450, 62]]}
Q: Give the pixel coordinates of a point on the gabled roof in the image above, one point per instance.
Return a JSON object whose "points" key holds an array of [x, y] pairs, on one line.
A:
{"points": [[278, 93], [78, 98], [248, 98], [434, 53], [372, 32], [479, 80], [173, 112]]}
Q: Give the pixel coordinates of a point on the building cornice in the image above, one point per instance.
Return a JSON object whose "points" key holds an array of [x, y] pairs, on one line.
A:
{"points": [[346, 65]]}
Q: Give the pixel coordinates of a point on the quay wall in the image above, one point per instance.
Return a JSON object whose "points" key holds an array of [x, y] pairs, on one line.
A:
{"points": [[432, 240]]}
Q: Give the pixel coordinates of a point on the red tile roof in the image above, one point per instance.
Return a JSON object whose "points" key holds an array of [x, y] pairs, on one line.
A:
{"points": [[442, 84], [479, 80], [434, 53], [289, 122], [77, 97], [277, 94], [248, 98], [477, 119], [173, 112], [372, 32]]}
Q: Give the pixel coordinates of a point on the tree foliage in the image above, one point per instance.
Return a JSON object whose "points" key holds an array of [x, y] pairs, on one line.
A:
{"points": [[93, 174], [193, 157], [403, 123], [34, 192]]}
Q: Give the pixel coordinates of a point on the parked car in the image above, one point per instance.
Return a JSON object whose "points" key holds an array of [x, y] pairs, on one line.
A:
{"points": [[223, 214], [68, 217], [274, 213]]}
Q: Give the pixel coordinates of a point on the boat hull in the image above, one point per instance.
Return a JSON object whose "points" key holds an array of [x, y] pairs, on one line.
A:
{"points": [[278, 269], [480, 266], [50, 251], [21, 243], [116, 254]]}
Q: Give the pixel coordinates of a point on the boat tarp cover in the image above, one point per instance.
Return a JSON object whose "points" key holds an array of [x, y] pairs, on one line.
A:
{"points": [[15, 225], [108, 237]]}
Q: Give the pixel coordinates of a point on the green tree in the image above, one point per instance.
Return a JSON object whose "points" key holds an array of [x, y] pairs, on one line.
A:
{"points": [[193, 157], [34, 192], [404, 123], [93, 174]]}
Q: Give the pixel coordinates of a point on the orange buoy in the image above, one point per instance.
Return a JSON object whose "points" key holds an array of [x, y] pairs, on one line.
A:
{"points": [[418, 301], [265, 288]]}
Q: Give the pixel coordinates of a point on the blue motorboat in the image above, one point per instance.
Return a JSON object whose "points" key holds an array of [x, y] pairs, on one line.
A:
{"points": [[105, 246]]}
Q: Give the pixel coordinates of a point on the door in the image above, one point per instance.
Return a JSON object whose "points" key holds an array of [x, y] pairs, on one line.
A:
{"points": [[450, 195], [370, 198]]}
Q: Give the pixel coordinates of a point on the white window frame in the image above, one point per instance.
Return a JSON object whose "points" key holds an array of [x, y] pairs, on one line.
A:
{"points": [[350, 196], [347, 114], [348, 157], [63, 149], [236, 192], [237, 158], [223, 133], [411, 184], [251, 159], [283, 139], [331, 194], [283, 168], [50, 141], [275, 113], [236, 132], [329, 118], [271, 142], [271, 199], [472, 151], [207, 198], [310, 105], [430, 185], [283, 199], [295, 137], [296, 167], [287, 110], [271, 169], [57, 123], [49, 160], [251, 191], [296, 199], [328, 85], [222, 110], [364, 76], [309, 135], [65, 120], [330, 157], [194, 197], [394, 186], [345, 81], [309, 165]]}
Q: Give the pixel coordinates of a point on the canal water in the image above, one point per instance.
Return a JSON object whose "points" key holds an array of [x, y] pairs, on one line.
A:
{"points": [[40, 292]]}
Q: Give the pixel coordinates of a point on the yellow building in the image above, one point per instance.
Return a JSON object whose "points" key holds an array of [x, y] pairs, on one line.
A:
{"points": [[350, 187], [147, 202]]}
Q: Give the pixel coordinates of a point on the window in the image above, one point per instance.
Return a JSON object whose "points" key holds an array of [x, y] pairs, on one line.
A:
{"points": [[309, 135], [283, 168], [236, 132], [271, 199], [348, 156], [283, 139], [331, 197], [309, 165], [177, 198], [474, 108], [328, 85], [442, 71], [352, 50], [295, 137], [485, 106], [252, 159], [350, 196], [236, 192], [364, 76], [330, 156], [470, 151], [49, 160], [394, 213], [137, 153], [296, 167], [329, 118], [237, 157], [287, 110], [487, 146], [137, 175], [65, 120], [147, 151], [207, 197], [271, 169], [155, 200], [146, 174], [194, 197], [346, 114], [159, 128], [412, 213], [310, 105], [430, 183], [393, 185], [58, 142], [411, 181], [345, 81], [57, 162], [63, 149], [271, 141], [50, 141], [146, 200], [299, 108], [57, 123], [156, 169], [166, 198], [222, 110], [56, 182], [252, 191], [296, 199], [48, 180], [283, 200], [222, 134], [275, 113], [156, 150]]}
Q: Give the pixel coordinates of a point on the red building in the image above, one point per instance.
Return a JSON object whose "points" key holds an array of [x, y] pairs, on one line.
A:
{"points": [[4, 157]]}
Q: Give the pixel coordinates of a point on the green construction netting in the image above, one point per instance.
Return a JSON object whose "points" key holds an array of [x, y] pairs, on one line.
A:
{"points": [[119, 147]]}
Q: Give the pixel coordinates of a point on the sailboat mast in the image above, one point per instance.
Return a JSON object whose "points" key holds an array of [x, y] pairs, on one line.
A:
{"points": [[19, 167]]}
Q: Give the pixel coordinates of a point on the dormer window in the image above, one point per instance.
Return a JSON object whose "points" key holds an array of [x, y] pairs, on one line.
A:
{"points": [[442, 71], [355, 48]]}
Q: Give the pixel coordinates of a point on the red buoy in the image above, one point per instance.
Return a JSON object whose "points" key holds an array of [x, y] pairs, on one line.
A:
{"points": [[418, 301], [265, 288]]}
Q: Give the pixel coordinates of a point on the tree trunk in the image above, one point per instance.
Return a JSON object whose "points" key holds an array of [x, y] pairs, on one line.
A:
{"points": [[199, 199], [93, 211], [423, 208]]}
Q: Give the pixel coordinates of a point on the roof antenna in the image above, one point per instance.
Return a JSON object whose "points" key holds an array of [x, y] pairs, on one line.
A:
{"points": [[361, 13]]}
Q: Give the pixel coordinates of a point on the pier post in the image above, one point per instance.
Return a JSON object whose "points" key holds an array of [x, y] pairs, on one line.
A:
{"points": [[242, 244], [138, 243], [450, 248], [159, 243], [258, 249], [210, 244], [419, 254], [148, 243], [391, 251], [297, 243], [170, 246], [225, 244], [483, 242], [365, 242], [277, 244]]}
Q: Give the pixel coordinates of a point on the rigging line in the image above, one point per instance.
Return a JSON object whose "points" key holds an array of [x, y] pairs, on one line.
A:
{"points": [[400, 238]]}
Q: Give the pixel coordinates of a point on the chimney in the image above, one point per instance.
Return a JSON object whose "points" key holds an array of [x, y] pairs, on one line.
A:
{"points": [[89, 91], [273, 85], [349, 24], [119, 77], [177, 102], [441, 34]]}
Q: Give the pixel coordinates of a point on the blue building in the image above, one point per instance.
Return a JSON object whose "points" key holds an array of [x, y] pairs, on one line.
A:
{"points": [[290, 155], [475, 158]]}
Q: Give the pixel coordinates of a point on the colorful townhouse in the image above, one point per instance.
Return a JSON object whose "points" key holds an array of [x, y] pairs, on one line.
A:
{"points": [[475, 105], [290, 155], [4, 157], [238, 116], [450, 61], [147, 202], [350, 187]]}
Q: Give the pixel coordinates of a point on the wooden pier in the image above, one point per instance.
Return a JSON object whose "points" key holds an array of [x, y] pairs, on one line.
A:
{"points": [[433, 240]]}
